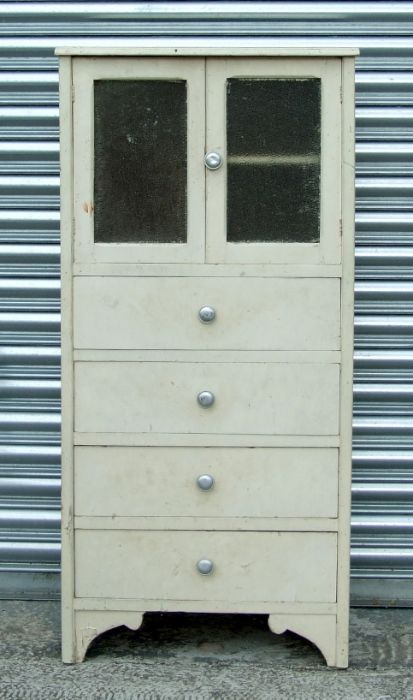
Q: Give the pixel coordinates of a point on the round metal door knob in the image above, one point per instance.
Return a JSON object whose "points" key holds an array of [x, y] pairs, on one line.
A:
{"points": [[205, 482], [213, 160], [207, 314], [205, 566], [206, 399]]}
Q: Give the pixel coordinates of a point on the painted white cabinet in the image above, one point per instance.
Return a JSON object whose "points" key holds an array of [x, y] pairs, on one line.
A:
{"points": [[207, 331]]}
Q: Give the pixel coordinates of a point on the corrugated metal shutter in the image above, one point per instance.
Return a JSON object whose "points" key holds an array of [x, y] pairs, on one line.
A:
{"points": [[29, 315]]}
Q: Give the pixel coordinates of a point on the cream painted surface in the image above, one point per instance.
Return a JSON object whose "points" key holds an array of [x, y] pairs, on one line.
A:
{"points": [[268, 524], [90, 623], [67, 532], [248, 566], [328, 249], [320, 630], [156, 46], [162, 313], [305, 357], [176, 522], [151, 397], [248, 483], [198, 270], [204, 440], [85, 72], [346, 388], [149, 604]]}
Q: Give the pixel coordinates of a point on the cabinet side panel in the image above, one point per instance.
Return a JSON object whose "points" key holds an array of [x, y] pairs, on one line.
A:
{"points": [[66, 167], [346, 389]]}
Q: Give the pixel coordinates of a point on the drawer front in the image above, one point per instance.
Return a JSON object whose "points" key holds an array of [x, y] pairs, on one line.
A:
{"points": [[162, 481], [250, 398], [162, 313], [248, 566]]}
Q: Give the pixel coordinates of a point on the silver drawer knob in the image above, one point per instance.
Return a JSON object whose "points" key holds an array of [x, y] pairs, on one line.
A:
{"points": [[213, 160], [206, 398], [205, 566], [205, 482], [207, 314]]}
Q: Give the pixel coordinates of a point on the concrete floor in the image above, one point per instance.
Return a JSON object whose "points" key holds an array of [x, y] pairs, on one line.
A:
{"points": [[202, 656]]}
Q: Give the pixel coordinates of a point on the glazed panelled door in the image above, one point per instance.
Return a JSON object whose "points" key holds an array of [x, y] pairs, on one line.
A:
{"points": [[274, 130], [138, 167]]}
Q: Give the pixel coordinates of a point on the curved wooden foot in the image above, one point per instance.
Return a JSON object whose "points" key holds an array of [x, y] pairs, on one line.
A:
{"points": [[321, 630], [89, 624]]}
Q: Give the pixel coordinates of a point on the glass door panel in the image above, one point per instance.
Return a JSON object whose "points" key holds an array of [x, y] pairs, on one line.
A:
{"points": [[273, 159], [140, 163], [139, 176]]}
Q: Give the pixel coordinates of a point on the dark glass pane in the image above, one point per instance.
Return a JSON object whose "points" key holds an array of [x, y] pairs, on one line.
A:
{"points": [[140, 161], [273, 151]]}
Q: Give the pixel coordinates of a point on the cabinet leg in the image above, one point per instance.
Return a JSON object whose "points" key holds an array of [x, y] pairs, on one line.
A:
{"points": [[321, 630], [89, 624]]}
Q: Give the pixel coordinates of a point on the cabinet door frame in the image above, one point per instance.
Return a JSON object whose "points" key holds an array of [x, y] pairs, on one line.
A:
{"points": [[328, 249], [85, 72]]}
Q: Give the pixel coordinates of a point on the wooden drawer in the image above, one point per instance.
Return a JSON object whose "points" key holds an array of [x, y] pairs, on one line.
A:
{"points": [[162, 313], [248, 483], [248, 566], [251, 398]]}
